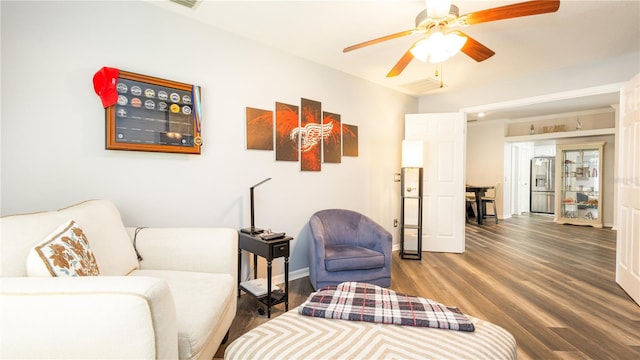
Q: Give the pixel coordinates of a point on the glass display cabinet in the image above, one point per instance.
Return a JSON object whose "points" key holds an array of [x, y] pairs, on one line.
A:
{"points": [[579, 184]]}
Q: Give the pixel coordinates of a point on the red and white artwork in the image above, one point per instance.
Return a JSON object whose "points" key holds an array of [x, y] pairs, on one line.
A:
{"points": [[304, 133], [310, 133], [259, 129], [287, 121]]}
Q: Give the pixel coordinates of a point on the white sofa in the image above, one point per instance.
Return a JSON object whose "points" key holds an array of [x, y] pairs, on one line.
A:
{"points": [[178, 302]]}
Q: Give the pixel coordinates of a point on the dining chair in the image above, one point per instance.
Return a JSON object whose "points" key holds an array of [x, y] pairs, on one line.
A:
{"points": [[490, 198], [470, 199]]}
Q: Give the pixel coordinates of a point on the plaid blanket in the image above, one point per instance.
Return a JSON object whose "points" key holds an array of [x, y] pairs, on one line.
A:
{"points": [[371, 303]]}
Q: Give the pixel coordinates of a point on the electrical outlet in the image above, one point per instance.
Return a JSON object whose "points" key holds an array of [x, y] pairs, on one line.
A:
{"points": [[395, 222]]}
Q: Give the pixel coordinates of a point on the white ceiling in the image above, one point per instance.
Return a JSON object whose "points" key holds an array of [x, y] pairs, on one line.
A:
{"points": [[579, 32]]}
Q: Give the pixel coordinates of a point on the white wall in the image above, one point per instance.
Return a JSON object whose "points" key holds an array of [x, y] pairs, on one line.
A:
{"points": [[53, 126], [485, 157]]}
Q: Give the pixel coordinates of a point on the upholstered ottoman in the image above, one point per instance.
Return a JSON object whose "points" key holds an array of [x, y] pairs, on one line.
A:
{"points": [[296, 336], [354, 320]]}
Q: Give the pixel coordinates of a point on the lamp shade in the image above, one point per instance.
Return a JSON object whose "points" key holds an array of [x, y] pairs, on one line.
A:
{"points": [[412, 153]]}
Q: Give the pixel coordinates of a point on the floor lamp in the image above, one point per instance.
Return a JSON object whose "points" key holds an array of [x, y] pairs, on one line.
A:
{"points": [[411, 197]]}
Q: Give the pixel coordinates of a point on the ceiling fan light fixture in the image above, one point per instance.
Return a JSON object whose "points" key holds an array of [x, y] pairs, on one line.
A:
{"points": [[437, 47], [454, 43], [438, 56], [420, 50], [438, 9]]}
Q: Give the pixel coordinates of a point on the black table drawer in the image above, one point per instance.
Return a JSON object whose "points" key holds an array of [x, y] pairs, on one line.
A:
{"points": [[280, 250]]}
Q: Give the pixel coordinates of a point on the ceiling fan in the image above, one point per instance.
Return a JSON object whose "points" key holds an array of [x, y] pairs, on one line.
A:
{"points": [[441, 41]]}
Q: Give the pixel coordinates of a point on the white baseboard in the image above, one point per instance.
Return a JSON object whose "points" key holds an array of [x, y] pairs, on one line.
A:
{"points": [[293, 275]]}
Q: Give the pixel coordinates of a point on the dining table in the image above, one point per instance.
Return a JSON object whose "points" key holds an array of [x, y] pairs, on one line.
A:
{"points": [[479, 192]]}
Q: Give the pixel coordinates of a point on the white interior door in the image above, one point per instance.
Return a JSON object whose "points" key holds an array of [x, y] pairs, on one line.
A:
{"points": [[628, 236], [444, 139]]}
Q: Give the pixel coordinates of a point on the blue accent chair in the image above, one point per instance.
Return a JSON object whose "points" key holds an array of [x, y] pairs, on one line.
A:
{"points": [[348, 246]]}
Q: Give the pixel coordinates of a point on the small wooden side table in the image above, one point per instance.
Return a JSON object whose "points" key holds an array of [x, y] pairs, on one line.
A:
{"points": [[268, 249]]}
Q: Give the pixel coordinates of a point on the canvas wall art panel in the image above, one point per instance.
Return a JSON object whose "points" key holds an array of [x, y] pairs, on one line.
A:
{"points": [[331, 138], [349, 140], [310, 132], [287, 138], [259, 129]]}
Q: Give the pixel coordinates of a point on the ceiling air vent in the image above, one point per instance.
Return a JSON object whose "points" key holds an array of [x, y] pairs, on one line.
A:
{"points": [[424, 86], [188, 3]]}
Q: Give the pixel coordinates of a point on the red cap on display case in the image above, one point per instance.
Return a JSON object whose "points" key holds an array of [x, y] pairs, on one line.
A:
{"points": [[104, 83]]}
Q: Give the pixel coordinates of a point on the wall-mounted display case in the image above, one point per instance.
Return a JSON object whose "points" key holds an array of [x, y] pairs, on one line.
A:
{"points": [[153, 114], [579, 184]]}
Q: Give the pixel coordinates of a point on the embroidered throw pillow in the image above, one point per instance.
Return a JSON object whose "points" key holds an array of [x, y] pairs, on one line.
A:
{"points": [[64, 252]]}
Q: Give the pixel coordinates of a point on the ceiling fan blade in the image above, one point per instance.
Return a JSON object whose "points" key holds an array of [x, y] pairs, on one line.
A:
{"points": [[512, 11], [378, 40], [401, 64], [474, 49]]}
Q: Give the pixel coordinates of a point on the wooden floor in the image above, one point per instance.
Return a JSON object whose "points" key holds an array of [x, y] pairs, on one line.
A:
{"points": [[552, 286]]}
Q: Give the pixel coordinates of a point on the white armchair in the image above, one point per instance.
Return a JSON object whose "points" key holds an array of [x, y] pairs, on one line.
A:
{"points": [[178, 302]]}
